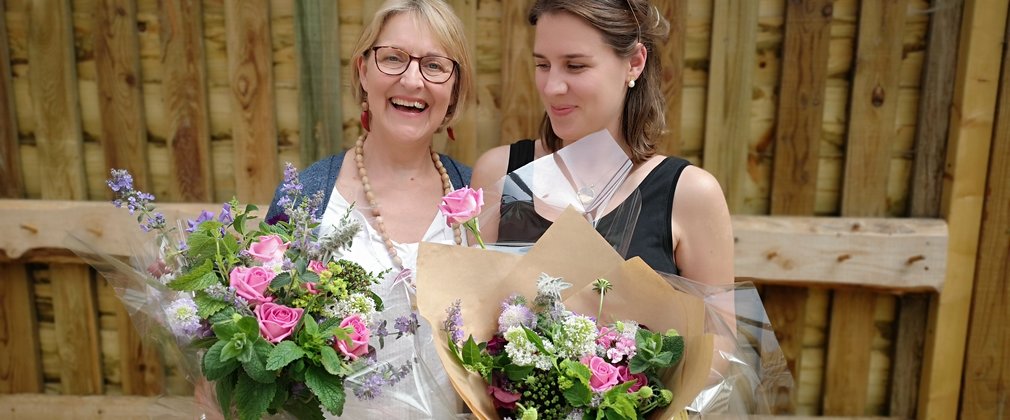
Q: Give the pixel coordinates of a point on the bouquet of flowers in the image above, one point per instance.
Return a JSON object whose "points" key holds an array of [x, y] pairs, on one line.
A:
{"points": [[279, 319], [548, 362], [644, 354]]}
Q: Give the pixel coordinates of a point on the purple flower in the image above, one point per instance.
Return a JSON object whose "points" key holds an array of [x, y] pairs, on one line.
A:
{"points": [[496, 344], [371, 387], [225, 215], [454, 322], [406, 325], [193, 224], [121, 181]]}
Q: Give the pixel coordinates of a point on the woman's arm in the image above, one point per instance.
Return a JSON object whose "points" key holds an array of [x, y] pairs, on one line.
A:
{"points": [[702, 230]]}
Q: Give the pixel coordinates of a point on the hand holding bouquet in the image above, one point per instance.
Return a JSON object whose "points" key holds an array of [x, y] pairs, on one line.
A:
{"points": [[283, 320]]}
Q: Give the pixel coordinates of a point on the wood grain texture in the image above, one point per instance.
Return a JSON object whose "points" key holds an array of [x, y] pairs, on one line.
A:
{"points": [[254, 121], [317, 37], [464, 148], [913, 311], [20, 359], [76, 319], [672, 55], [872, 109], [848, 361], [976, 86], [184, 97], [987, 370], [520, 108], [787, 312], [730, 87], [53, 87], [936, 94], [11, 182], [801, 106], [121, 102], [140, 368]]}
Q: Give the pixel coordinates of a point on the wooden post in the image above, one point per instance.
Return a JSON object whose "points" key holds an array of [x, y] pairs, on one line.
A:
{"points": [[871, 127], [727, 114], [465, 147], [672, 58], [121, 102], [20, 360], [254, 122], [11, 183], [521, 108], [794, 181], [983, 29], [184, 95], [986, 367], [317, 36], [925, 190]]}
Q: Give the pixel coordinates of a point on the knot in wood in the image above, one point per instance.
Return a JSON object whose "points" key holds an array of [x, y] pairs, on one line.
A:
{"points": [[877, 97]]}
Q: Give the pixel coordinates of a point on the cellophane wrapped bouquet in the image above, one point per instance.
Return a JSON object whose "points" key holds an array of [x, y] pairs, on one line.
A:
{"points": [[272, 314]]}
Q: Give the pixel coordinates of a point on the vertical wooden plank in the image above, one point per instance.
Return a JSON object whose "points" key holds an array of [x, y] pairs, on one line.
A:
{"points": [[121, 102], [76, 317], [53, 87], [727, 113], [465, 129], [787, 311], [140, 365], [521, 109], [672, 55], [20, 358], [925, 189], [872, 109], [970, 137], [871, 127], [801, 106], [184, 95], [317, 38], [11, 183], [987, 371], [254, 122]]}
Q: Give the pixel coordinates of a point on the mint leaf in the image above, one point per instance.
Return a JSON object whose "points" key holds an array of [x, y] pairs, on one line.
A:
{"points": [[280, 396], [517, 373], [331, 362], [249, 326], [256, 366], [284, 353], [252, 398], [579, 393], [309, 277], [207, 305], [329, 389], [281, 280], [311, 328], [214, 368], [305, 410], [201, 246], [198, 278], [225, 388], [225, 329]]}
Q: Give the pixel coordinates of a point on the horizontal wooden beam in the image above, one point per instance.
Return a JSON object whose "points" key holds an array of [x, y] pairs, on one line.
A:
{"points": [[892, 254]]}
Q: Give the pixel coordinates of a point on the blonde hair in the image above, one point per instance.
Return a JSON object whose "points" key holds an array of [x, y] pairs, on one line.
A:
{"points": [[623, 24], [448, 31]]}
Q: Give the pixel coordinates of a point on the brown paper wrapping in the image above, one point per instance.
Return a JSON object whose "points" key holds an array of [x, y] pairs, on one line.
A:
{"points": [[571, 249]]}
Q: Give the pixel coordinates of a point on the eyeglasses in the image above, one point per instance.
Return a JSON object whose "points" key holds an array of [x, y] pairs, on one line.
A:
{"points": [[394, 62]]}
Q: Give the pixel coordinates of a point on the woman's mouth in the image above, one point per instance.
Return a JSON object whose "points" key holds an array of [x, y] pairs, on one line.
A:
{"points": [[408, 105], [562, 110]]}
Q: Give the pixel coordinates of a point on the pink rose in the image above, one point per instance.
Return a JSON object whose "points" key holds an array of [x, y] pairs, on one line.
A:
{"points": [[462, 205], [268, 248], [316, 267], [604, 375], [277, 321], [358, 338], [251, 283], [625, 375], [311, 288]]}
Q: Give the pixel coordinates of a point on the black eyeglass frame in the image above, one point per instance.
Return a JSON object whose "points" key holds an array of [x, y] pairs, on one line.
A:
{"points": [[375, 58]]}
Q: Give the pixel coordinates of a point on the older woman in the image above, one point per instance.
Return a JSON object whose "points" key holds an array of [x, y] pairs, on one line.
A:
{"points": [[413, 74]]}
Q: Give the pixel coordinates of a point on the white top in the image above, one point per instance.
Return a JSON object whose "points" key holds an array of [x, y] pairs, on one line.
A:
{"points": [[426, 392]]}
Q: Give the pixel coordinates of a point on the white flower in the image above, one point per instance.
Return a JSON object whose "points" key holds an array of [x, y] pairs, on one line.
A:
{"points": [[577, 337], [182, 317], [523, 352], [356, 303]]}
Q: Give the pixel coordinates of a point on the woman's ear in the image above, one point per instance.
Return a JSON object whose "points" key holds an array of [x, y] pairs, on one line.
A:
{"points": [[637, 61], [360, 62]]}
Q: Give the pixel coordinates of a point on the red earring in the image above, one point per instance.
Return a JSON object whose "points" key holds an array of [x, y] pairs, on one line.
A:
{"points": [[448, 132], [365, 116]]}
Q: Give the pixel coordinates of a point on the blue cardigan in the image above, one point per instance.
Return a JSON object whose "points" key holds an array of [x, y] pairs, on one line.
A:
{"points": [[322, 176]]}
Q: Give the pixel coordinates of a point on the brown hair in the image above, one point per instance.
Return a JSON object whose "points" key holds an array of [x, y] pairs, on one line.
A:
{"points": [[448, 31], [623, 24]]}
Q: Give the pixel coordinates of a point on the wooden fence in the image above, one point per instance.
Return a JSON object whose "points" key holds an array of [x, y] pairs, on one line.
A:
{"points": [[875, 114]]}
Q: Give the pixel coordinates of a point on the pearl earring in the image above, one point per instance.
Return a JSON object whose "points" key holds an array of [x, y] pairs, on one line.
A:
{"points": [[631, 83]]}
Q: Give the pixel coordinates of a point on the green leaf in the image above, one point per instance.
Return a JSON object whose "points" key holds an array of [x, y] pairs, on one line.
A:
{"points": [[376, 299], [249, 326], [198, 278], [471, 352], [201, 246], [214, 368], [281, 396], [331, 362], [252, 398], [329, 323], [255, 367], [454, 348], [311, 328], [536, 340], [236, 349], [638, 364], [517, 373], [309, 277], [284, 353], [224, 330], [329, 389], [225, 315], [207, 305], [674, 343], [281, 280], [579, 394], [225, 389]]}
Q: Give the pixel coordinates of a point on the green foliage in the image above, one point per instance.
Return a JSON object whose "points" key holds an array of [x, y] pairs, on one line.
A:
{"points": [[253, 398], [198, 278], [207, 305], [215, 367], [329, 389], [283, 354]]}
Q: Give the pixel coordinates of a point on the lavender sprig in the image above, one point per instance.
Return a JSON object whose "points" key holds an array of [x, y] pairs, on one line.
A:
{"points": [[453, 325], [121, 184]]}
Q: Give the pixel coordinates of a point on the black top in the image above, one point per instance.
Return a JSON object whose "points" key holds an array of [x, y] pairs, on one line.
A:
{"points": [[521, 223]]}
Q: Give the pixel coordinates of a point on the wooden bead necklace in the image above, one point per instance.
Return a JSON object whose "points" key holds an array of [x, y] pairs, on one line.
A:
{"points": [[359, 159]]}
